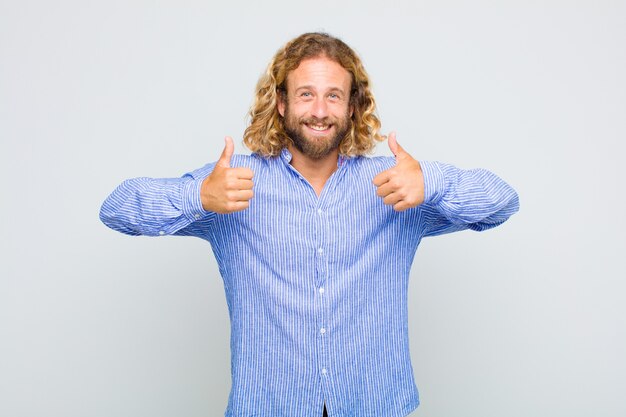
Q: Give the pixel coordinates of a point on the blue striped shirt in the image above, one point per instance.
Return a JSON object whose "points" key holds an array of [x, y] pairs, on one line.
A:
{"points": [[316, 286]]}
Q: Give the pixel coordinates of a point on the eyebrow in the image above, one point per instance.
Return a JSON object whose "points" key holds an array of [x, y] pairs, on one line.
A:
{"points": [[310, 87]]}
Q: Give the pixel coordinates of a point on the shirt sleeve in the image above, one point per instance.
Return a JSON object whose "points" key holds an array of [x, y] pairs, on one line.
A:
{"points": [[456, 199], [158, 206]]}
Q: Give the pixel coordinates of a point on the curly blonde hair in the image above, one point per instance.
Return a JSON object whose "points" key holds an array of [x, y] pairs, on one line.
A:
{"points": [[266, 133]]}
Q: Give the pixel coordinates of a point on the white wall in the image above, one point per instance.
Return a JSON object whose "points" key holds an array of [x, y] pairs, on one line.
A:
{"points": [[525, 320]]}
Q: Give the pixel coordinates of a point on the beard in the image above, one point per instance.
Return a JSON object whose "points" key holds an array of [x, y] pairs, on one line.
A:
{"points": [[315, 146]]}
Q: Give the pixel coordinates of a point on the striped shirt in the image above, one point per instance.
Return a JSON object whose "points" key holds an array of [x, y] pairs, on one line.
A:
{"points": [[316, 286]]}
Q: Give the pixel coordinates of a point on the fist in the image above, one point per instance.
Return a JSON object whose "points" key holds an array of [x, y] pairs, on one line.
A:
{"points": [[227, 189], [403, 185]]}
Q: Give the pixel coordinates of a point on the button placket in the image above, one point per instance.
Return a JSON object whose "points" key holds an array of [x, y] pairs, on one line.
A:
{"points": [[322, 268]]}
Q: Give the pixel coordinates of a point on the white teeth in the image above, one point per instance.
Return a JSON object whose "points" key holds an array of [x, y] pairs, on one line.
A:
{"points": [[317, 127]]}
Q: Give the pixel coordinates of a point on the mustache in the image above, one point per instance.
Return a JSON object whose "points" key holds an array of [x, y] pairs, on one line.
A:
{"points": [[317, 121]]}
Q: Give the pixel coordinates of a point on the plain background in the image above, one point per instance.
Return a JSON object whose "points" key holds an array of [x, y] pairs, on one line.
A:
{"points": [[525, 320]]}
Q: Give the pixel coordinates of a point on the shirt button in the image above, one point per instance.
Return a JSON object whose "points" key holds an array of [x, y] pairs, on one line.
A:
{"points": [[322, 330], [324, 371], [197, 216], [320, 251], [319, 211], [322, 290], [161, 232]]}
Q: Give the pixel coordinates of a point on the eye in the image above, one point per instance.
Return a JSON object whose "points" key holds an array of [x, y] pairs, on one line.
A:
{"points": [[305, 94], [334, 96]]}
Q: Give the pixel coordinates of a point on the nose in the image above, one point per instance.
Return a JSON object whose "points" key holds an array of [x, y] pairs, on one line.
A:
{"points": [[319, 108]]}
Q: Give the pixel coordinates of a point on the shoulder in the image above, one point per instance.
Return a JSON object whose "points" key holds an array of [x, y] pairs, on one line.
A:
{"points": [[254, 162], [371, 165]]}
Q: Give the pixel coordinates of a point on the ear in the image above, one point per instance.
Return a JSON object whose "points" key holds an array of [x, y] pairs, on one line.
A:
{"points": [[280, 104]]}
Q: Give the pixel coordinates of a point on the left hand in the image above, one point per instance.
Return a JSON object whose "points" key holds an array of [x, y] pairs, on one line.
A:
{"points": [[403, 185]]}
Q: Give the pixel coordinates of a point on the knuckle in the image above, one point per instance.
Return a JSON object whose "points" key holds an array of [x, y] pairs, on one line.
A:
{"points": [[227, 176]]}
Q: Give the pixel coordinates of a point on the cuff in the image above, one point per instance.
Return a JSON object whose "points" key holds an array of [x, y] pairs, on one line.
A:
{"points": [[434, 181], [192, 204]]}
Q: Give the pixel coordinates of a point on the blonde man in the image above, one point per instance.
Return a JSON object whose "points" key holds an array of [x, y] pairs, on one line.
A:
{"points": [[314, 239]]}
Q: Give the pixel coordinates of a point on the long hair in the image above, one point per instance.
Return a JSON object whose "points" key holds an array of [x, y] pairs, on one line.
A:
{"points": [[266, 134]]}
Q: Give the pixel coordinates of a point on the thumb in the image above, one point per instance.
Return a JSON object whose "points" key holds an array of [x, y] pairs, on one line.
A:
{"points": [[395, 148], [227, 153]]}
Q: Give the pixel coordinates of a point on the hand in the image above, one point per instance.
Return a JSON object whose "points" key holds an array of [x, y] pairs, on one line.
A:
{"points": [[403, 185], [227, 189]]}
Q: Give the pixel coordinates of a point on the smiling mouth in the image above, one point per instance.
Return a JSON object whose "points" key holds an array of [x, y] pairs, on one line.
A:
{"points": [[318, 127]]}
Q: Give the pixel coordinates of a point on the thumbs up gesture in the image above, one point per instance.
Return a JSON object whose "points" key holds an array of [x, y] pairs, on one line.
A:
{"points": [[227, 189], [403, 185]]}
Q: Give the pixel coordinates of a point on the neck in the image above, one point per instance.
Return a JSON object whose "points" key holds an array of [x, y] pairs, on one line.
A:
{"points": [[315, 171]]}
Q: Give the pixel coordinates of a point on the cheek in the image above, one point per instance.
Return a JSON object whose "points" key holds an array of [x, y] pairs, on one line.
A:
{"points": [[343, 111], [299, 109]]}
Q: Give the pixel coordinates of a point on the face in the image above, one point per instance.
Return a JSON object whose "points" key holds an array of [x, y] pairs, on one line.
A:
{"points": [[317, 109]]}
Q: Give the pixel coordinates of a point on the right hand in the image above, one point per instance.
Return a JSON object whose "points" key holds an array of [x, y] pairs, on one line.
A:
{"points": [[227, 189]]}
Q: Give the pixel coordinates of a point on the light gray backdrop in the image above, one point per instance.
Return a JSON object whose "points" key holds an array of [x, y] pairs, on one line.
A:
{"points": [[525, 320]]}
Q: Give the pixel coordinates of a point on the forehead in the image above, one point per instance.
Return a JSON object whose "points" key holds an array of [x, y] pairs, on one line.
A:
{"points": [[320, 73]]}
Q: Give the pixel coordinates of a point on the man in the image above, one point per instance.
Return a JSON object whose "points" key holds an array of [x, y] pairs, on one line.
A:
{"points": [[314, 240]]}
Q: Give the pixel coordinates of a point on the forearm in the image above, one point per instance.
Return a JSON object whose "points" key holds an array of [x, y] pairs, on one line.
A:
{"points": [[153, 207], [475, 199]]}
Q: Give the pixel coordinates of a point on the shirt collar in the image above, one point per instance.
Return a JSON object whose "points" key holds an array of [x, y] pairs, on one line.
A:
{"points": [[286, 156]]}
